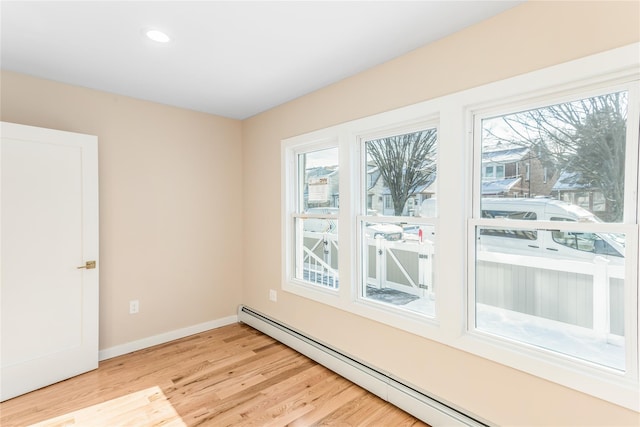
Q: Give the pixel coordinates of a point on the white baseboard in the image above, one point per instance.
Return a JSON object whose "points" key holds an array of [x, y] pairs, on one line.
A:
{"points": [[428, 408], [140, 344]]}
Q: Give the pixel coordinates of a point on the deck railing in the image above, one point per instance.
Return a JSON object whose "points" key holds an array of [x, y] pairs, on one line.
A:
{"points": [[586, 294]]}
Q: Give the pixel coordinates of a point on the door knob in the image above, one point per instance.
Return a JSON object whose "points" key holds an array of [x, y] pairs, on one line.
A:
{"points": [[89, 265]]}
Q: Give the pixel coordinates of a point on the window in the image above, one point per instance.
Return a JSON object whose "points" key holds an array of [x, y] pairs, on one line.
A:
{"points": [[493, 172], [315, 220], [558, 287], [397, 248], [373, 255], [501, 221]]}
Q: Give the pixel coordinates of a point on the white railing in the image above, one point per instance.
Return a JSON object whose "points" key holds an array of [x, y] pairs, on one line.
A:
{"points": [[319, 269], [531, 285], [597, 275], [412, 274]]}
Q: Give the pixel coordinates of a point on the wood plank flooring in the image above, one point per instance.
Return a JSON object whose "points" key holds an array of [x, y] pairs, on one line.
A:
{"points": [[230, 376]]}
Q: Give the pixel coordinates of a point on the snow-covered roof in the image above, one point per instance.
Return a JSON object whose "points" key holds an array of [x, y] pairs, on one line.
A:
{"points": [[499, 186], [569, 181], [429, 186], [508, 155], [320, 171]]}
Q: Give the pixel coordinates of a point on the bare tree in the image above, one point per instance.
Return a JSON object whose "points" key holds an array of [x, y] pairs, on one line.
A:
{"points": [[584, 138], [406, 162]]}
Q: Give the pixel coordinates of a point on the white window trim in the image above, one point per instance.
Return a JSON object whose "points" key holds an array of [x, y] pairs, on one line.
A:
{"points": [[427, 121], [552, 83], [324, 140], [455, 147]]}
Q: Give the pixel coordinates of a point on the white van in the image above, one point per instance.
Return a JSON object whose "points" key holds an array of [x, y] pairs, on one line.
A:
{"points": [[560, 244]]}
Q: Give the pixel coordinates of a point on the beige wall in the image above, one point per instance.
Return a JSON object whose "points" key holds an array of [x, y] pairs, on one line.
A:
{"points": [[170, 203], [526, 38]]}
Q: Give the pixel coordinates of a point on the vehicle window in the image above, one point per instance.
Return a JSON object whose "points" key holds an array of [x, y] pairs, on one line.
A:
{"points": [[557, 218], [523, 215], [587, 242], [512, 234]]}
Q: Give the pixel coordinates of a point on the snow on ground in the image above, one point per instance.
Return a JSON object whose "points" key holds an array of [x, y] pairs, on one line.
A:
{"points": [[574, 341], [581, 343], [560, 337]]}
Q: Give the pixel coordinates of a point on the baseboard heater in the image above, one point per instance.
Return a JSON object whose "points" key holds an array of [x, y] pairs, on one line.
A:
{"points": [[419, 404]]}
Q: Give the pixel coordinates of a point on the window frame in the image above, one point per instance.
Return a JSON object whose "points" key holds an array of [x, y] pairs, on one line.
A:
{"points": [[292, 204], [347, 137], [541, 362], [454, 114], [430, 121]]}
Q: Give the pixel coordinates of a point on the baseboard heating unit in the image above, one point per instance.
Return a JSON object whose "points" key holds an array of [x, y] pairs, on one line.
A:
{"points": [[417, 403]]}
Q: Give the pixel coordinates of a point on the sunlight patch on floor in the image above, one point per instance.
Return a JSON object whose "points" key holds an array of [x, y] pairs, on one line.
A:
{"points": [[145, 407]]}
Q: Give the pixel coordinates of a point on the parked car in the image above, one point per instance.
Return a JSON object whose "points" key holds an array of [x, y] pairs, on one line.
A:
{"points": [[328, 225], [386, 231], [546, 242]]}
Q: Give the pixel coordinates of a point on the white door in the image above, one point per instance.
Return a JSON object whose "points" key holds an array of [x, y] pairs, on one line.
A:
{"points": [[48, 229]]}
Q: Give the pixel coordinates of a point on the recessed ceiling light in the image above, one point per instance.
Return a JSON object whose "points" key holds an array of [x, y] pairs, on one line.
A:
{"points": [[158, 36]]}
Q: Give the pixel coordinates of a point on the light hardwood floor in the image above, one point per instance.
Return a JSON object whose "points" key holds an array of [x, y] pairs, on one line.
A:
{"points": [[233, 375]]}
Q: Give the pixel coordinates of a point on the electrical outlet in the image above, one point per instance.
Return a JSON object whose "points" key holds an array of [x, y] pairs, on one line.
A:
{"points": [[134, 306], [273, 295]]}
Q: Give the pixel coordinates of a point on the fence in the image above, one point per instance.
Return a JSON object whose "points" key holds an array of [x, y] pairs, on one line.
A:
{"points": [[405, 266], [586, 294], [320, 258]]}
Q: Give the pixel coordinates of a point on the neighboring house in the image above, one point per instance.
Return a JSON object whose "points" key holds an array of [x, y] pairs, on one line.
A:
{"points": [[569, 189], [379, 199], [515, 171], [321, 189]]}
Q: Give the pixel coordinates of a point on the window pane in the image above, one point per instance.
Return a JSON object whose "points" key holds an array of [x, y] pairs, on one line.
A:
{"points": [[573, 151], [398, 265], [318, 177], [316, 238], [396, 254], [401, 172], [316, 257], [562, 291]]}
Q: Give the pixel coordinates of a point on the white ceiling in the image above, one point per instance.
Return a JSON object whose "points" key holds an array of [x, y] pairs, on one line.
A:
{"points": [[230, 58]]}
